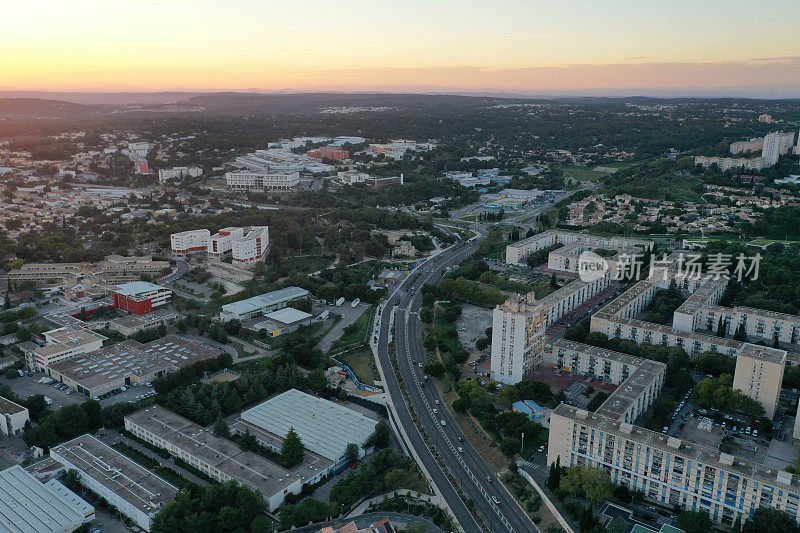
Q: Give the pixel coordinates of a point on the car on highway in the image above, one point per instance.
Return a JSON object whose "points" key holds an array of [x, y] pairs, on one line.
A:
{"points": [[460, 449], [496, 500], [436, 402], [419, 365], [443, 422], [435, 411], [460, 438], [489, 479]]}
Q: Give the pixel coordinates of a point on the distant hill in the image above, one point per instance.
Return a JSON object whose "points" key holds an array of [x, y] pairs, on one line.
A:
{"points": [[39, 108], [303, 103]]}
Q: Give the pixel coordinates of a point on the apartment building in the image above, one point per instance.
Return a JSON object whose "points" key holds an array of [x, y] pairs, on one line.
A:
{"points": [[761, 372], [669, 470], [243, 180], [517, 253], [189, 242], [639, 380], [114, 269], [519, 324], [251, 247]]}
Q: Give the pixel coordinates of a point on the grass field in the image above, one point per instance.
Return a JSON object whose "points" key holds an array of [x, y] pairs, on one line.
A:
{"points": [[359, 363], [354, 333], [583, 173]]}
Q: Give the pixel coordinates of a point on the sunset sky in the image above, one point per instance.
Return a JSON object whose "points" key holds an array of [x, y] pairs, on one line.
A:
{"points": [[505, 45]]}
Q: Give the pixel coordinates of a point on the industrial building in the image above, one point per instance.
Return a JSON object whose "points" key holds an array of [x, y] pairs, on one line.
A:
{"points": [[219, 458], [13, 417], [325, 427], [135, 491], [140, 297], [127, 363], [133, 324], [261, 304], [62, 344], [283, 321], [29, 506]]}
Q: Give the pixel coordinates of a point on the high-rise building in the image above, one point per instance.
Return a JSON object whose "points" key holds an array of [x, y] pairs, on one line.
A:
{"points": [[188, 242], [251, 247]]}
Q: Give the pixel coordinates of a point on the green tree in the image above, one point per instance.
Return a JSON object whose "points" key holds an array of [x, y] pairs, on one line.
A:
{"points": [[435, 369], [381, 436], [351, 453], [769, 520], [221, 428], [694, 522], [292, 452]]}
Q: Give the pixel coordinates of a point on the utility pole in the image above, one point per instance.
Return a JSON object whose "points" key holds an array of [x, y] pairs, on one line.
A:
{"points": [[522, 444]]}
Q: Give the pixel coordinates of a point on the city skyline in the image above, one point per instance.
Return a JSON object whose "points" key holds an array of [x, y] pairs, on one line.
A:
{"points": [[522, 47]]}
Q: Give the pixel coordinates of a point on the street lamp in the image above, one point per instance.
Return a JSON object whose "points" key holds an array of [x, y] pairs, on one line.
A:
{"points": [[522, 444]]}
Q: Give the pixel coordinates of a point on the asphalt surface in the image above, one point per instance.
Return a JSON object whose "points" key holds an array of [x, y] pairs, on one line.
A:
{"points": [[478, 482], [367, 519]]}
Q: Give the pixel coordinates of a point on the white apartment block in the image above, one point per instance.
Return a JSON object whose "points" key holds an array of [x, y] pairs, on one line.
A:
{"points": [[776, 144], [669, 470], [177, 173], [221, 243], [189, 242], [639, 380], [349, 177], [517, 253], [243, 180], [251, 247], [245, 246]]}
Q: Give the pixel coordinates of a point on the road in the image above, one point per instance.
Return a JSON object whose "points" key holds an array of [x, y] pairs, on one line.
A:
{"points": [[365, 520], [477, 480]]}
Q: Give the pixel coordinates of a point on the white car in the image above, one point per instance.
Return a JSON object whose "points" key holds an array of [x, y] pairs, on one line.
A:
{"points": [[496, 500], [460, 449], [541, 448], [443, 422], [436, 402], [419, 365]]}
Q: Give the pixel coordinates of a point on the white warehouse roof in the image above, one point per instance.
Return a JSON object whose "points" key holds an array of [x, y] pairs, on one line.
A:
{"points": [[288, 315], [27, 505], [326, 428], [263, 301]]}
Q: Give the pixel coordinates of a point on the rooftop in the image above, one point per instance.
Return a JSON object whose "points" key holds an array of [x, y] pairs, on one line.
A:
{"points": [[226, 456], [7, 407], [265, 300], [131, 358], [28, 505], [325, 427], [288, 315], [701, 454], [129, 480], [66, 338], [137, 287]]}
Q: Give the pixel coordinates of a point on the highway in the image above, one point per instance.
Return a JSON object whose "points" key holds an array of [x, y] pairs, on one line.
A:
{"points": [[478, 482]]}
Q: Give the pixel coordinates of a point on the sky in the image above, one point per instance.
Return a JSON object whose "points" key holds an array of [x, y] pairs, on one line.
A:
{"points": [[414, 45]]}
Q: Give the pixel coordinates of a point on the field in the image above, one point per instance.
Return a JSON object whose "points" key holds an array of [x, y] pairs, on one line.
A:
{"points": [[354, 333], [359, 362], [583, 173]]}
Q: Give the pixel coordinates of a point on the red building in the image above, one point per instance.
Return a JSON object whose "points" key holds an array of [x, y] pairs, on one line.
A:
{"points": [[329, 153], [140, 297]]}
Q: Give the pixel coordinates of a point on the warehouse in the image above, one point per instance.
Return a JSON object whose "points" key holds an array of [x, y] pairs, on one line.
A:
{"points": [[283, 321], [262, 304], [326, 428], [220, 458], [126, 363], [63, 343], [27, 505], [133, 324], [132, 489]]}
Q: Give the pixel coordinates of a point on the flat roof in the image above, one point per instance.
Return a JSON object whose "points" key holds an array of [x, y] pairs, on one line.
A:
{"points": [[225, 455], [137, 287], [7, 407], [28, 505], [288, 315], [261, 301], [129, 480], [325, 427], [683, 447], [527, 406], [67, 337], [132, 358], [131, 321]]}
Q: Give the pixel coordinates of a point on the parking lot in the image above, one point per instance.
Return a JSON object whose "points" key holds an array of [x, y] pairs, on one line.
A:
{"points": [[61, 395], [26, 386]]}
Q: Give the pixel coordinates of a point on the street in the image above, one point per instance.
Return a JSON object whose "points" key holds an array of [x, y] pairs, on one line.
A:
{"points": [[478, 482]]}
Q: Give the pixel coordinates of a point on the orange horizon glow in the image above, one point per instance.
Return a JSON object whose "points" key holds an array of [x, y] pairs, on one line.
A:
{"points": [[526, 45]]}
